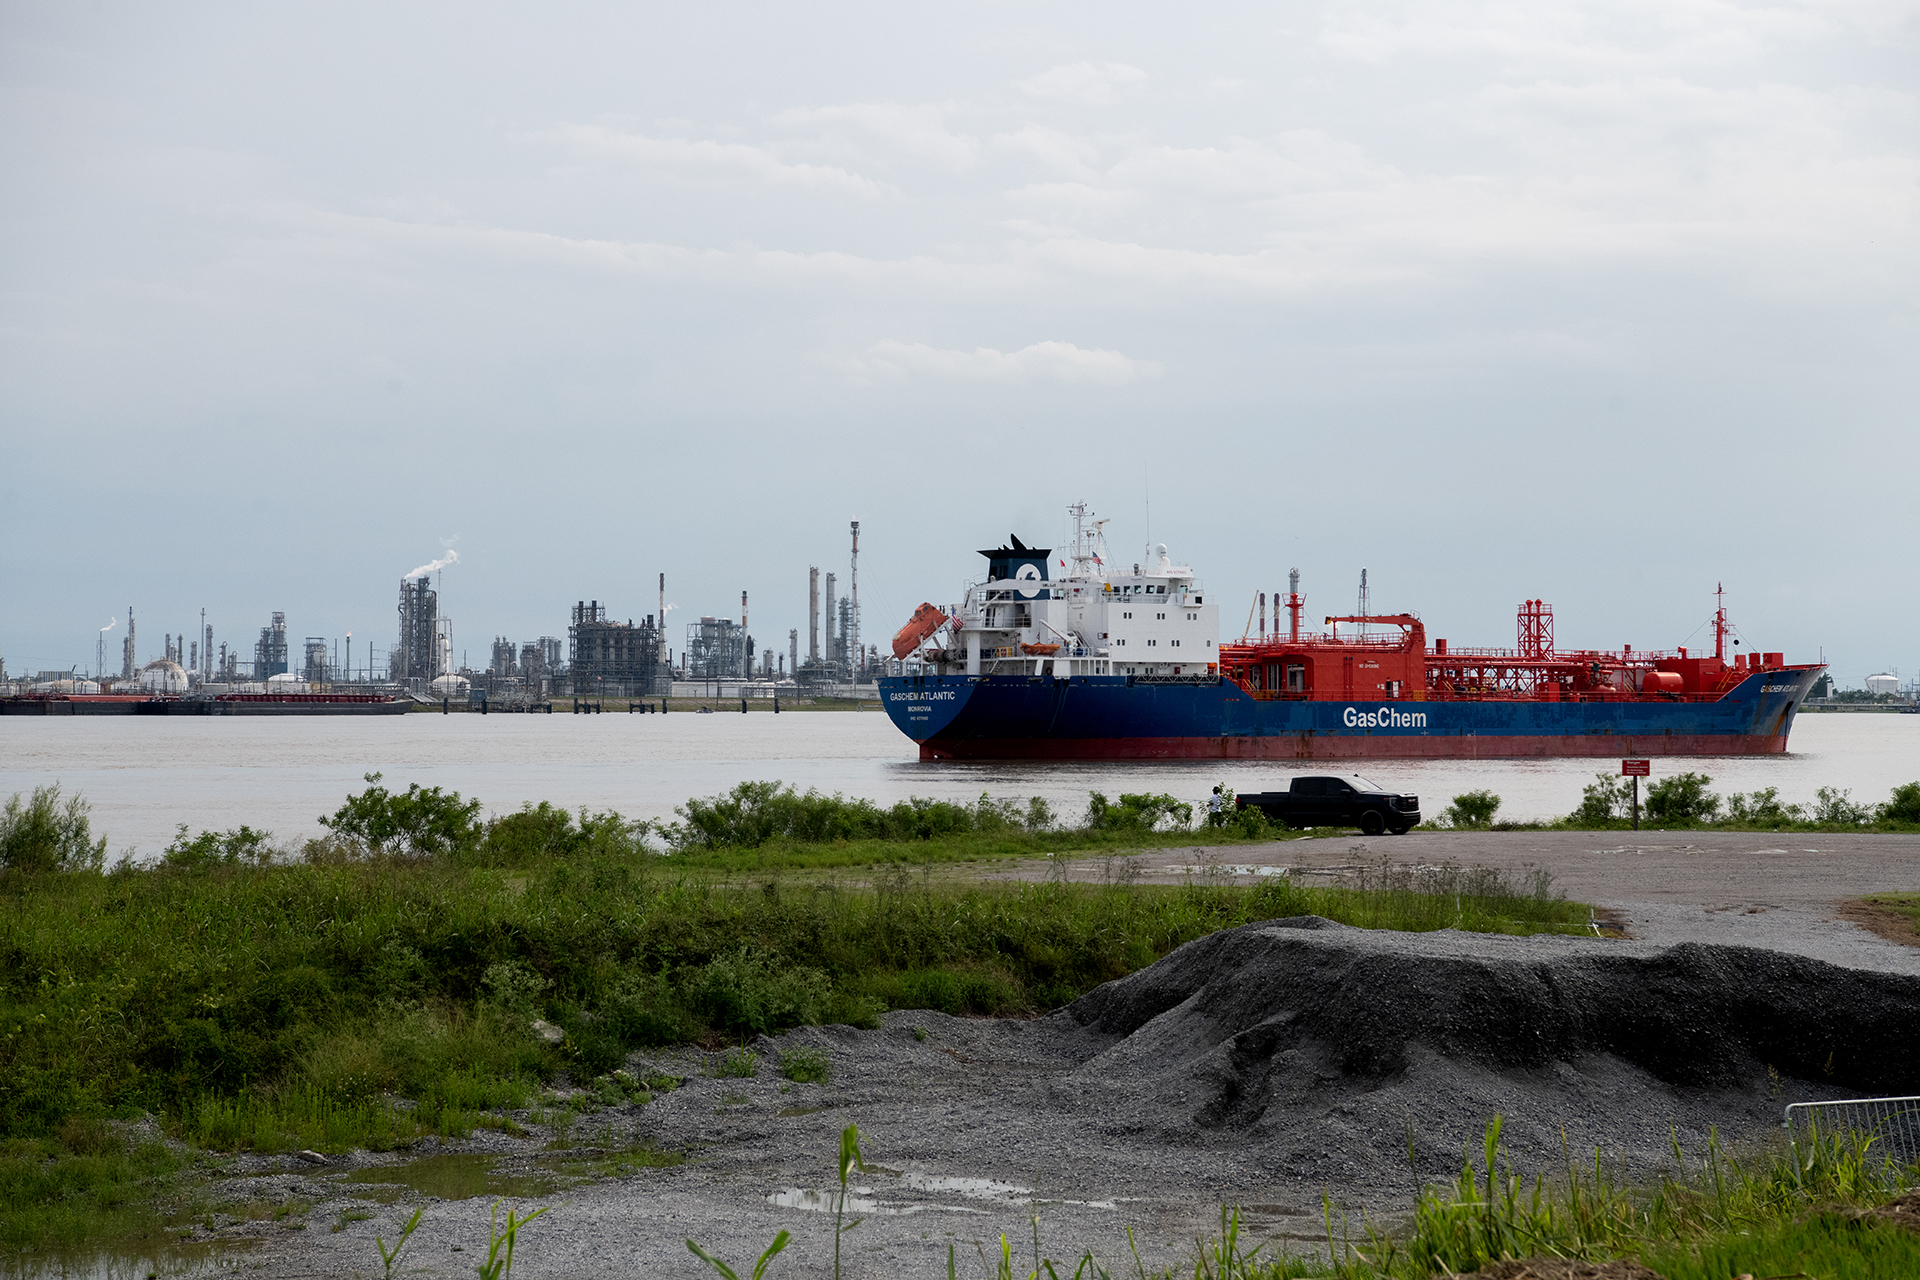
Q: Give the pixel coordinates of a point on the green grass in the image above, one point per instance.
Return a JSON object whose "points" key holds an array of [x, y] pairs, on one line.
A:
{"points": [[382, 986], [1768, 1209], [87, 1185], [284, 1005]]}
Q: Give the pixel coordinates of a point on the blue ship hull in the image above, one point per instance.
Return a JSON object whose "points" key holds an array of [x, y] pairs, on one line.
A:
{"points": [[962, 717]]}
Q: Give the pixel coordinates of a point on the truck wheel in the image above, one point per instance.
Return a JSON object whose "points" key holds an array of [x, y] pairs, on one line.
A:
{"points": [[1371, 823]]}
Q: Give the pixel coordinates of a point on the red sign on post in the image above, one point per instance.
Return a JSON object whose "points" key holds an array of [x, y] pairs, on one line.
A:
{"points": [[1636, 768]]}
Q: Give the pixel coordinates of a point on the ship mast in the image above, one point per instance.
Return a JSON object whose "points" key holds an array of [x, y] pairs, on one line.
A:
{"points": [[1720, 622], [1087, 538]]}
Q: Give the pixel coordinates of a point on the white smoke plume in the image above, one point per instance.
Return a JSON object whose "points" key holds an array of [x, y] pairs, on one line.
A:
{"points": [[452, 557], [670, 608], [111, 624]]}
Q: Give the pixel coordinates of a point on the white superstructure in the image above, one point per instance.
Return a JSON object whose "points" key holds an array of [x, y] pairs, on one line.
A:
{"points": [[1078, 614]]}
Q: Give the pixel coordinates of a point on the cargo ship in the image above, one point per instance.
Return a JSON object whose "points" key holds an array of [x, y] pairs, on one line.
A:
{"points": [[1073, 657]]}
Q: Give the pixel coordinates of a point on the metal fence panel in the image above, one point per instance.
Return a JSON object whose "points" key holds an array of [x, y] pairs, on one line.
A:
{"points": [[1892, 1123]]}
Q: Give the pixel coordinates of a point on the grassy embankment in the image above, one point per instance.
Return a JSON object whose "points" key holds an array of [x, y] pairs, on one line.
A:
{"points": [[1685, 802], [380, 983]]}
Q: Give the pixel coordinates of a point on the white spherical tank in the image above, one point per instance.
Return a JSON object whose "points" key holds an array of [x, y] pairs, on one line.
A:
{"points": [[1883, 683], [287, 682], [163, 676], [450, 686]]}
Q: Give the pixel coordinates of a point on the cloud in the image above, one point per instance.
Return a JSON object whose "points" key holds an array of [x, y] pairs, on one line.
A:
{"points": [[1073, 156], [1082, 82], [919, 131], [702, 157], [1043, 361]]}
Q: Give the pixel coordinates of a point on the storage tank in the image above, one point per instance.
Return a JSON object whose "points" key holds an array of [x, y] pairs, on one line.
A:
{"points": [[1883, 683], [163, 676], [450, 687]]}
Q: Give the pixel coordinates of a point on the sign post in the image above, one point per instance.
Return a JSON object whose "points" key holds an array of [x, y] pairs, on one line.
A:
{"points": [[1636, 769]]}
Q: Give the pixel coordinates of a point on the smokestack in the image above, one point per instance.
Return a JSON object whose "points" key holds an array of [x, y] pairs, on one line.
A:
{"points": [[833, 652], [857, 664], [746, 670], [813, 614], [663, 619], [1293, 601]]}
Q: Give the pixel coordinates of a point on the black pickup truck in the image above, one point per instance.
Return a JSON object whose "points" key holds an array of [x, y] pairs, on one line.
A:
{"points": [[1345, 801]]}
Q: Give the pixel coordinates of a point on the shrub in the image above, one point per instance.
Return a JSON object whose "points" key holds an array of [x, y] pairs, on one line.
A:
{"points": [[535, 834], [1682, 799], [1472, 811], [426, 822], [1761, 809], [1905, 805], [1140, 813], [756, 813], [218, 848], [751, 992], [44, 835], [1835, 808], [1251, 823], [1605, 800]]}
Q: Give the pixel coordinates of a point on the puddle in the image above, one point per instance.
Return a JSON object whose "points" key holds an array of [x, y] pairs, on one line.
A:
{"points": [[799, 1111], [868, 1200], [859, 1200], [972, 1188], [455, 1176], [133, 1264]]}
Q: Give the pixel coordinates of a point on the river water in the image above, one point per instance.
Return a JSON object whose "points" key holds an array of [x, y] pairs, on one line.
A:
{"points": [[145, 776]]}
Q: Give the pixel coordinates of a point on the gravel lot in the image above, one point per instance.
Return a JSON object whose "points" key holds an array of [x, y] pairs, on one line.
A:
{"points": [[1264, 1067]]}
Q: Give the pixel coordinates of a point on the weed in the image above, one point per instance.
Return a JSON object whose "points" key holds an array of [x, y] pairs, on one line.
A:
{"points": [[850, 1159], [497, 1266], [390, 1256], [349, 1216], [805, 1066], [738, 1063], [759, 1266]]}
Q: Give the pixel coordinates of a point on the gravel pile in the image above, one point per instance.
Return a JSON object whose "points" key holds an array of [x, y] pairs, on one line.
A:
{"points": [[1262, 1067]]}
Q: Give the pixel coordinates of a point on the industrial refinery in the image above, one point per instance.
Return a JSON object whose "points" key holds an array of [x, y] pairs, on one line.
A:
{"points": [[606, 651]]}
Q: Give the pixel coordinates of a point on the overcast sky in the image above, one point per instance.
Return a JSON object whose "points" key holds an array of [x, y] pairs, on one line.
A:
{"points": [[1604, 303]]}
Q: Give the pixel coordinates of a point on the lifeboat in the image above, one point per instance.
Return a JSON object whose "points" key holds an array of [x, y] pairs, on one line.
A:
{"points": [[925, 621], [1039, 650]]}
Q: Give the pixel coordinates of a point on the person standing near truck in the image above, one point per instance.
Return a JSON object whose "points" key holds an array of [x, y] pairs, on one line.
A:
{"points": [[1214, 803]]}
